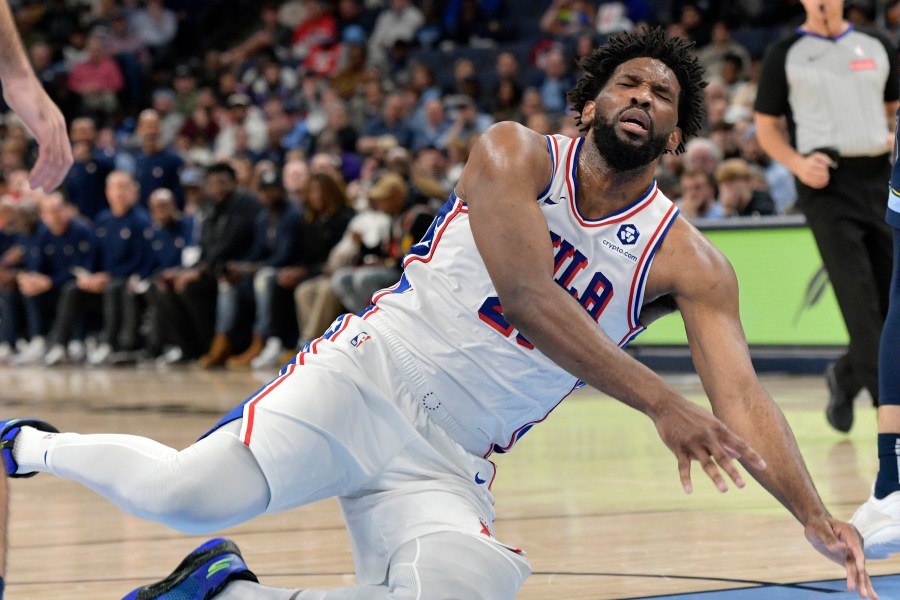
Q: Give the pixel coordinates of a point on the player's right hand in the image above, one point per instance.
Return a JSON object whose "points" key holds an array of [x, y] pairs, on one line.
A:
{"points": [[695, 434]]}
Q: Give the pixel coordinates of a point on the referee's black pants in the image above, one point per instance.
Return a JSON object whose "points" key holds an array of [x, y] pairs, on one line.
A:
{"points": [[847, 220]]}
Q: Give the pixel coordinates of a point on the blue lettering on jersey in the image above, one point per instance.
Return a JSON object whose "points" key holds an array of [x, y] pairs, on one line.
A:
{"points": [[568, 262]]}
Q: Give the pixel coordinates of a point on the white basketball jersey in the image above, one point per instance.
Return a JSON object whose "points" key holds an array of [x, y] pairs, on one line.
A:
{"points": [[491, 380]]}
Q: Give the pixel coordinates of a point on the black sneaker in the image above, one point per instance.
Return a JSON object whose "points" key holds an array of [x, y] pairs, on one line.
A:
{"points": [[201, 575], [839, 411]]}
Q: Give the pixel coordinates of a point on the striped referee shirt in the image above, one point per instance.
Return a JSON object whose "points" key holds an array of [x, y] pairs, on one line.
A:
{"points": [[832, 90]]}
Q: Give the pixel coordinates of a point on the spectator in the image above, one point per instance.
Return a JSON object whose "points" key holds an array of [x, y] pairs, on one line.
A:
{"points": [[557, 81], [130, 53], [392, 122], [434, 126], [780, 181], [121, 250], [97, 79], [295, 176], [379, 267], [187, 297], [155, 165], [187, 96], [170, 233], [157, 26], [713, 55], [241, 115], [86, 180], [468, 121], [702, 154], [19, 225], [698, 196], [270, 36], [737, 196], [313, 40], [275, 243], [399, 21], [170, 120], [567, 18], [509, 99], [60, 246]]}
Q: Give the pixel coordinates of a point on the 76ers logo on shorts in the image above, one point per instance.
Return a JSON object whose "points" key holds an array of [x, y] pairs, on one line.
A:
{"points": [[628, 234]]}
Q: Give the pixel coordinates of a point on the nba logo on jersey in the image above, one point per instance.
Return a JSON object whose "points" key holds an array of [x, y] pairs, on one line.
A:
{"points": [[628, 234]]}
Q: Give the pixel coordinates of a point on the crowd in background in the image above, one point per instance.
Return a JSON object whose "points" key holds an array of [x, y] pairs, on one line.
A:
{"points": [[246, 172]]}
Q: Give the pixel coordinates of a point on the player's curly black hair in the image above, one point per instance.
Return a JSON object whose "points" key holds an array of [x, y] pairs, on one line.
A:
{"points": [[675, 52]]}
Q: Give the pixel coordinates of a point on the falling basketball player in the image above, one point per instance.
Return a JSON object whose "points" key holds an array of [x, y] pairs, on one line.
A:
{"points": [[544, 263]]}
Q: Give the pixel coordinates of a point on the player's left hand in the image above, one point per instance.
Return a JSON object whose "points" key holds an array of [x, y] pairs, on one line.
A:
{"points": [[843, 544], [31, 103]]}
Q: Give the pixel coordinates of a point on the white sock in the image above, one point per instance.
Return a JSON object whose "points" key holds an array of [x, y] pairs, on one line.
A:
{"points": [[247, 590], [30, 449]]}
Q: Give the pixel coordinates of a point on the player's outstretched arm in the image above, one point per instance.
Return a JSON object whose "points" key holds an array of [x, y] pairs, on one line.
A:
{"points": [[507, 169], [26, 96], [706, 291]]}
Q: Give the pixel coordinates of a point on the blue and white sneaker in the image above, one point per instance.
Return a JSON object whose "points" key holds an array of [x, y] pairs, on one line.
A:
{"points": [[8, 432], [201, 575]]}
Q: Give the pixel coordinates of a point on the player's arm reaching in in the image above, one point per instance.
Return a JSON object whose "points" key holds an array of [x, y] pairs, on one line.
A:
{"points": [[26, 96], [507, 169], [705, 289]]}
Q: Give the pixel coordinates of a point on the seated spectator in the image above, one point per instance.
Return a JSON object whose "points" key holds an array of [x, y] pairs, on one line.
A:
{"points": [[242, 114], [557, 81], [781, 183], [186, 298], [392, 122], [60, 247], [155, 165], [121, 251], [712, 56], [380, 267], [274, 247], [97, 80], [19, 223], [567, 18], [702, 154], [399, 21], [157, 27], [86, 181], [313, 41], [468, 121], [508, 101], [171, 233], [270, 36], [698, 196], [736, 194]]}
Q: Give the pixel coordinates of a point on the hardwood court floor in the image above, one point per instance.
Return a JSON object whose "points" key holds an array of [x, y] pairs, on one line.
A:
{"points": [[591, 494]]}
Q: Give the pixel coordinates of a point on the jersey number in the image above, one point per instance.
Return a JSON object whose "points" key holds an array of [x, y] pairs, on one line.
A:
{"points": [[594, 300]]}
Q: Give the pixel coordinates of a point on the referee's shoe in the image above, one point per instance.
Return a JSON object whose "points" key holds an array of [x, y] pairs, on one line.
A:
{"points": [[201, 575], [839, 411]]}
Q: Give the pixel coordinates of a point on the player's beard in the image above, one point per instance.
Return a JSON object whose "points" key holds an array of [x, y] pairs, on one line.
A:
{"points": [[624, 155]]}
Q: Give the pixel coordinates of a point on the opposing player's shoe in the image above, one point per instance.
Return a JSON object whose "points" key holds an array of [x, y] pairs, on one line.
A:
{"points": [[9, 430], [879, 523], [202, 574], [839, 411]]}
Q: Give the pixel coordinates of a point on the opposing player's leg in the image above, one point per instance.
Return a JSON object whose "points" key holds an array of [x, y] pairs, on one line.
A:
{"points": [[879, 518], [440, 565]]}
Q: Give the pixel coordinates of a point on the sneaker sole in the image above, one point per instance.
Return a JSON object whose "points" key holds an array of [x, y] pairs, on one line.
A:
{"points": [[189, 566], [882, 540]]}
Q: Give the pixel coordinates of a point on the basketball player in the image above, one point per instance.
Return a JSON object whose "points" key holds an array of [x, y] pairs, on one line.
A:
{"points": [[529, 281], [879, 518], [26, 97]]}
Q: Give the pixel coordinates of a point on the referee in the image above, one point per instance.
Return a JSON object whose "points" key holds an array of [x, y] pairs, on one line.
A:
{"points": [[838, 88]]}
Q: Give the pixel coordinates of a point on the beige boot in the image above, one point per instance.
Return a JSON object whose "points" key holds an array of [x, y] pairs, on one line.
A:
{"points": [[219, 351], [242, 360]]}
